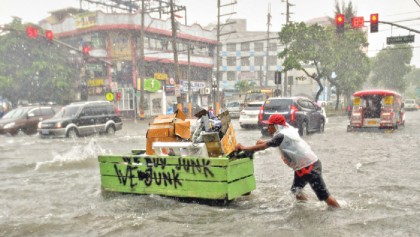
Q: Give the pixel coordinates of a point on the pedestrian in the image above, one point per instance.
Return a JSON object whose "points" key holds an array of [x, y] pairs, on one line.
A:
{"points": [[297, 154], [349, 110]]}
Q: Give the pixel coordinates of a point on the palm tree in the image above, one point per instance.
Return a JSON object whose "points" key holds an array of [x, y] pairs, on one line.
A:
{"points": [[244, 86]]}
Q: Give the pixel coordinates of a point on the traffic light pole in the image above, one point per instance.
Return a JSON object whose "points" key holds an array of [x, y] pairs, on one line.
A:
{"points": [[403, 27]]}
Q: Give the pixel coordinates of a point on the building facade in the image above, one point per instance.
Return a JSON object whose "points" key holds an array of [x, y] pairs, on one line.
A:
{"points": [[248, 55], [113, 40]]}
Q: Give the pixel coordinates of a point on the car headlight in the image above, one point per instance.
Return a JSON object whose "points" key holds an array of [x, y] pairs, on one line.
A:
{"points": [[9, 125], [57, 125]]}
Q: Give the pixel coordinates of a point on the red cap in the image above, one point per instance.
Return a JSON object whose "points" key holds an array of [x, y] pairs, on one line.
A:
{"points": [[276, 119]]}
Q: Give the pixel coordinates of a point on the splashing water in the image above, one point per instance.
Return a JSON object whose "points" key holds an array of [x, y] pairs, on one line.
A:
{"points": [[80, 156]]}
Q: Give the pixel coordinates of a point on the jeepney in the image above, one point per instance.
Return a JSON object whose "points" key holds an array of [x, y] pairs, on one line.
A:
{"points": [[382, 109]]}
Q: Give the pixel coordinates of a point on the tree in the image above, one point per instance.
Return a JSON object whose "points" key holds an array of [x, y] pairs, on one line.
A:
{"points": [[413, 83], [390, 66], [307, 45], [327, 52], [34, 69], [244, 86]]}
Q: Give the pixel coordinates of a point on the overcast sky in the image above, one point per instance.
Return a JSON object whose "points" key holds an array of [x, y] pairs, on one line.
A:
{"points": [[403, 12]]}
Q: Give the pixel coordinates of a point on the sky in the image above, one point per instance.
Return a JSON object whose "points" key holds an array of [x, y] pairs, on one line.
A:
{"points": [[203, 12]]}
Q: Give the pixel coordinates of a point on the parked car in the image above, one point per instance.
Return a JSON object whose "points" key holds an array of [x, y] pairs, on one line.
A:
{"points": [[249, 115], [410, 104], [300, 112], [82, 119], [234, 108], [24, 119]]}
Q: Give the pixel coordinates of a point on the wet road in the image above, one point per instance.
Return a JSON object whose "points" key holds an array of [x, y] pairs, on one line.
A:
{"points": [[51, 187]]}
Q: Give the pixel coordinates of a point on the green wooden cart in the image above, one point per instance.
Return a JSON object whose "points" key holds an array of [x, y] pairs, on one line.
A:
{"points": [[177, 176]]}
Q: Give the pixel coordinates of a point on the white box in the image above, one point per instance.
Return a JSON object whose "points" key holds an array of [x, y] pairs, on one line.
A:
{"points": [[180, 149]]}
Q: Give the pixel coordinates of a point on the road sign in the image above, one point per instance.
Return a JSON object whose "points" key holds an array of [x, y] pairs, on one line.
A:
{"points": [[400, 39], [109, 96]]}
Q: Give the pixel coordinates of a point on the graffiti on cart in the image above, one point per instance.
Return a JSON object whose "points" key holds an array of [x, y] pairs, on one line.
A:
{"points": [[132, 174]]}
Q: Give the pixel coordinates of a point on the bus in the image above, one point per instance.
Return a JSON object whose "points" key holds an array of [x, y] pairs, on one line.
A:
{"points": [[258, 95]]}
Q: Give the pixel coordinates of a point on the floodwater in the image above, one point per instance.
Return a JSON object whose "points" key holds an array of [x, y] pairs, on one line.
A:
{"points": [[51, 187]]}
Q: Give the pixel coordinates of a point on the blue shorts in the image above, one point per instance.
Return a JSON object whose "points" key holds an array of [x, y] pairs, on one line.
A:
{"points": [[314, 178]]}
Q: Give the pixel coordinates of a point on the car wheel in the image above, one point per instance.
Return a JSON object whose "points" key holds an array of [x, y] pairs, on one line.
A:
{"points": [[110, 130], [72, 133], [20, 132], [322, 126], [303, 129]]}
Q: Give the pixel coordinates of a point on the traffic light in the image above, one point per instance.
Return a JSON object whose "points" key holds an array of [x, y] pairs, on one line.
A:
{"points": [[277, 78], [31, 32], [339, 21], [49, 35], [86, 49], [118, 96], [374, 20]]}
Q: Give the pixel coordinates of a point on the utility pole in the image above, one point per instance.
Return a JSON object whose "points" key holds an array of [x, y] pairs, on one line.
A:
{"points": [[189, 82], [176, 65], [288, 5], [141, 62], [268, 45], [216, 102]]}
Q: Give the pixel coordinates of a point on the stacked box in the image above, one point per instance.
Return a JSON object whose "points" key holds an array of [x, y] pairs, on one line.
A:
{"points": [[167, 128]]}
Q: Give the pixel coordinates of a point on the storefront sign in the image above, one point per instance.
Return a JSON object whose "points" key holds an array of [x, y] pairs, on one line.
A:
{"points": [[86, 20], [161, 76], [121, 45], [95, 82], [152, 85]]}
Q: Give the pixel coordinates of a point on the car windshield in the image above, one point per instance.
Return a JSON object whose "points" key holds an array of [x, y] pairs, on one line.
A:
{"points": [[68, 111], [16, 113], [234, 104], [280, 105], [253, 106]]}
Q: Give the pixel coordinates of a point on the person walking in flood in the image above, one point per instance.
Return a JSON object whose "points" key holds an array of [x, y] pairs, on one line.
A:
{"points": [[298, 155]]}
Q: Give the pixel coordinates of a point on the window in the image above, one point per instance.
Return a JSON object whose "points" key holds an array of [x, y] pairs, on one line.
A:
{"points": [[231, 76], [245, 61], [259, 61], [146, 43], [272, 60], [231, 47], [259, 46], [273, 47], [231, 61], [47, 111], [245, 46], [36, 112]]}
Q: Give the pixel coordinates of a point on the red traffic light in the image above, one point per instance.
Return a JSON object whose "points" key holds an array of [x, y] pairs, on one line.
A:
{"points": [[339, 21], [49, 35], [31, 32], [118, 96], [86, 49], [374, 20]]}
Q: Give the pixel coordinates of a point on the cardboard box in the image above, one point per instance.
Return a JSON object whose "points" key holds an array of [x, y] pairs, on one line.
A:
{"points": [[229, 140], [167, 128]]}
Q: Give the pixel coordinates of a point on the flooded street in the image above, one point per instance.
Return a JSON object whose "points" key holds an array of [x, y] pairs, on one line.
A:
{"points": [[51, 187]]}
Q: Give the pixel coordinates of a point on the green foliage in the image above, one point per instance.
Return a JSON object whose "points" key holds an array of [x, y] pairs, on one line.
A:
{"points": [[244, 86], [390, 66], [34, 69], [327, 52]]}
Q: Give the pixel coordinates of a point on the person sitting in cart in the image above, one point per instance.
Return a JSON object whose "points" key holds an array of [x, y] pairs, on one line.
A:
{"points": [[297, 154]]}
